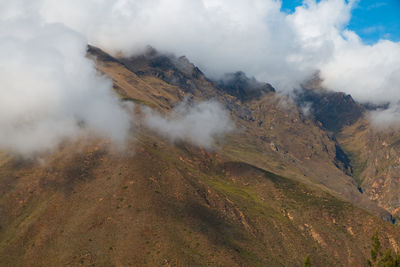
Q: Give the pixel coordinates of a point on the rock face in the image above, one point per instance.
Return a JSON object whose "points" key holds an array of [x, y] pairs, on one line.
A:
{"points": [[367, 153], [374, 155], [244, 88], [333, 110], [100, 54], [169, 68]]}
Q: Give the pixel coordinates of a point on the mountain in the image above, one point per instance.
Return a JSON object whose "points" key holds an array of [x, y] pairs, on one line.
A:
{"points": [[283, 185], [333, 110], [374, 153], [368, 153], [242, 87]]}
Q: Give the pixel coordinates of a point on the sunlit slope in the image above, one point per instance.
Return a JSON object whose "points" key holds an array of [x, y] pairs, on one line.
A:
{"points": [[271, 132], [172, 204], [267, 195], [375, 157]]}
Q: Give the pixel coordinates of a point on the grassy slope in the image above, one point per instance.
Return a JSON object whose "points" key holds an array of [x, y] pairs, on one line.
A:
{"points": [[156, 203], [179, 205], [285, 142]]}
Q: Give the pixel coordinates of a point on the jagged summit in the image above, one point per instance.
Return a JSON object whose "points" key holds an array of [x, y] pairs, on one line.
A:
{"points": [[334, 110], [171, 69], [239, 85], [181, 72]]}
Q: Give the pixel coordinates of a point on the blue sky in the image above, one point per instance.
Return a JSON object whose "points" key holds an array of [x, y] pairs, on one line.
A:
{"points": [[371, 20]]}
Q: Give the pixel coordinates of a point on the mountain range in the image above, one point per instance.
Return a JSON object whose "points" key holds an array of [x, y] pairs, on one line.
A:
{"points": [[298, 175]]}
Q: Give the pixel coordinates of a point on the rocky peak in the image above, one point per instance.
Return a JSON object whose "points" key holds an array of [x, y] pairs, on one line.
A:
{"points": [[101, 56], [238, 84], [333, 109], [174, 70]]}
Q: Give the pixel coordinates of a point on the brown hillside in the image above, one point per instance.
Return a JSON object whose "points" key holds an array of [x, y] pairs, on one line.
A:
{"points": [[268, 194]]}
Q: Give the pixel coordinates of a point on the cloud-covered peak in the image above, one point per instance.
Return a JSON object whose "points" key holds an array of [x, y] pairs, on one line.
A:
{"points": [[254, 36], [50, 90]]}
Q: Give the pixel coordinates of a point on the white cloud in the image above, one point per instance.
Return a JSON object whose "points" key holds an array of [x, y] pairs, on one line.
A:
{"points": [[199, 123], [254, 36], [218, 35], [50, 90], [368, 73], [388, 118]]}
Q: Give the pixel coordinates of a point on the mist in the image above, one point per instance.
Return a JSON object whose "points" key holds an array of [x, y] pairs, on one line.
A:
{"points": [[50, 91], [199, 123]]}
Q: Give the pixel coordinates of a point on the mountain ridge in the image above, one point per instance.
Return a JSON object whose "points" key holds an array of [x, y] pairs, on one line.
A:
{"points": [[267, 190]]}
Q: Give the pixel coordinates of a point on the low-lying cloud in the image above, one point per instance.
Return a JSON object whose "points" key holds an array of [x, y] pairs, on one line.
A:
{"points": [[50, 91], [386, 118], [199, 123]]}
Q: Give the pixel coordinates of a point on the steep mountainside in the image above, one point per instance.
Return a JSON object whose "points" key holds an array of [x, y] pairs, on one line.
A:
{"points": [[291, 144], [270, 192], [370, 154], [333, 110], [375, 157]]}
